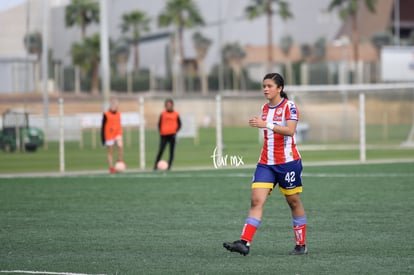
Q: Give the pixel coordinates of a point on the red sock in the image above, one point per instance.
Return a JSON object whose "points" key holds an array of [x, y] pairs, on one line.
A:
{"points": [[300, 234], [248, 232]]}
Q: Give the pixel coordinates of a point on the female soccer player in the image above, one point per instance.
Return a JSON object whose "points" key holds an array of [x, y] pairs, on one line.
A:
{"points": [[279, 163], [169, 124], [111, 133]]}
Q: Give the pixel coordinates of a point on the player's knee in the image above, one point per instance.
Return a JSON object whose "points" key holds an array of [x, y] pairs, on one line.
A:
{"points": [[293, 201], [257, 202]]}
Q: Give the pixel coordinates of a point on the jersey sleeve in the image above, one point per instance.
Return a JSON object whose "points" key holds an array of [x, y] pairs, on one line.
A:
{"points": [[291, 112]]}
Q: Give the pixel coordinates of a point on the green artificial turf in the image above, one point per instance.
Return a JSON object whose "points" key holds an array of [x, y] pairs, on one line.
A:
{"points": [[359, 222], [238, 143]]}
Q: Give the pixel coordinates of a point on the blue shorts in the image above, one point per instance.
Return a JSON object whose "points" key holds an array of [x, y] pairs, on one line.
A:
{"points": [[288, 175]]}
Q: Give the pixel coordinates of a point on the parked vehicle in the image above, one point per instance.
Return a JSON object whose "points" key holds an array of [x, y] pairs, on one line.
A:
{"points": [[17, 134]]}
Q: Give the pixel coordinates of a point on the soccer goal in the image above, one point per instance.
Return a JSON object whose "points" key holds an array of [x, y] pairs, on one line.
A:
{"points": [[340, 117], [410, 139]]}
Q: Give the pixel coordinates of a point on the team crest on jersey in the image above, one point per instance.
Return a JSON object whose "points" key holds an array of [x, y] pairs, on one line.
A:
{"points": [[277, 118], [279, 111]]}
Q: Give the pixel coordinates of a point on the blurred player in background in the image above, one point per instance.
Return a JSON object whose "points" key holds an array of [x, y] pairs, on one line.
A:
{"points": [[111, 133], [279, 163], [169, 124]]}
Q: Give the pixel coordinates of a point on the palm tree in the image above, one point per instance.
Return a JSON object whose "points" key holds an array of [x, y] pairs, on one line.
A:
{"points": [[182, 14], [86, 55], [319, 49], [137, 22], [233, 55], [202, 44], [33, 43], [265, 7], [82, 13], [348, 9], [286, 43], [120, 54]]}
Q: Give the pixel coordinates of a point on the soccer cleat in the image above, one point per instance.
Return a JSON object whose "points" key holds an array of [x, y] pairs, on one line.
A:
{"points": [[112, 170], [237, 246], [299, 250]]}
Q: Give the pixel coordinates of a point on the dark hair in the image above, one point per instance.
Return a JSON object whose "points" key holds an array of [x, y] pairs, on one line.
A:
{"points": [[279, 81], [169, 100]]}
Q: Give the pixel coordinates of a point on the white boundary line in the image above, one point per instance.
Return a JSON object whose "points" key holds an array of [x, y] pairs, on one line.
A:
{"points": [[44, 272], [150, 174], [249, 175]]}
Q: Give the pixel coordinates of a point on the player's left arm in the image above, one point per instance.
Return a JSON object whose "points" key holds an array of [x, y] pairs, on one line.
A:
{"points": [[120, 124], [291, 115], [179, 123], [288, 130]]}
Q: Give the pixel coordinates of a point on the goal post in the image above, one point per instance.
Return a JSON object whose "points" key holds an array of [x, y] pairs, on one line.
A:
{"points": [[362, 129], [142, 133], [410, 139], [188, 128]]}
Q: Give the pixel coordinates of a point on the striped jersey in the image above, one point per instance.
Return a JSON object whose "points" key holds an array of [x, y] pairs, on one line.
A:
{"points": [[279, 149]]}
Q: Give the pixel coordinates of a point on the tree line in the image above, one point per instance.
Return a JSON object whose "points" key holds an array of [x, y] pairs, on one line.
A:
{"points": [[181, 15]]}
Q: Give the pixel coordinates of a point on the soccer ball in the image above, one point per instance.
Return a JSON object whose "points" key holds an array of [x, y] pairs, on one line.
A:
{"points": [[162, 165], [120, 166]]}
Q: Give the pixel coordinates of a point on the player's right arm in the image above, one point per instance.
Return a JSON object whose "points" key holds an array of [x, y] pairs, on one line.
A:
{"points": [[159, 123], [104, 120]]}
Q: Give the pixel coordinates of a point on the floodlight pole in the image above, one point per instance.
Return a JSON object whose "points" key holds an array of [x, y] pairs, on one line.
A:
{"points": [[397, 22], [104, 50], [27, 52], [220, 42], [141, 133], [45, 68], [61, 137], [178, 66], [219, 127], [219, 123]]}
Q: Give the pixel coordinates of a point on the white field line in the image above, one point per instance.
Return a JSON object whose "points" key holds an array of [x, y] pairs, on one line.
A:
{"points": [[197, 170], [358, 175], [249, 175], [245, 175], [43, 272]]}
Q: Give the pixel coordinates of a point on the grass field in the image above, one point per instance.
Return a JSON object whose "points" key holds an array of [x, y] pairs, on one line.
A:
{"points": [[241, 142], [359, 222]]}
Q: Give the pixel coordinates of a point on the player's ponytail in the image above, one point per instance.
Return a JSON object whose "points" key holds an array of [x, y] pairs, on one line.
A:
{"points": [[279, 81]]}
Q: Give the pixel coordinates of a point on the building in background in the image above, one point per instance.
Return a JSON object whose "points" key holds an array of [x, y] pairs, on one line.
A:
{"points": [[225, 23]]}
